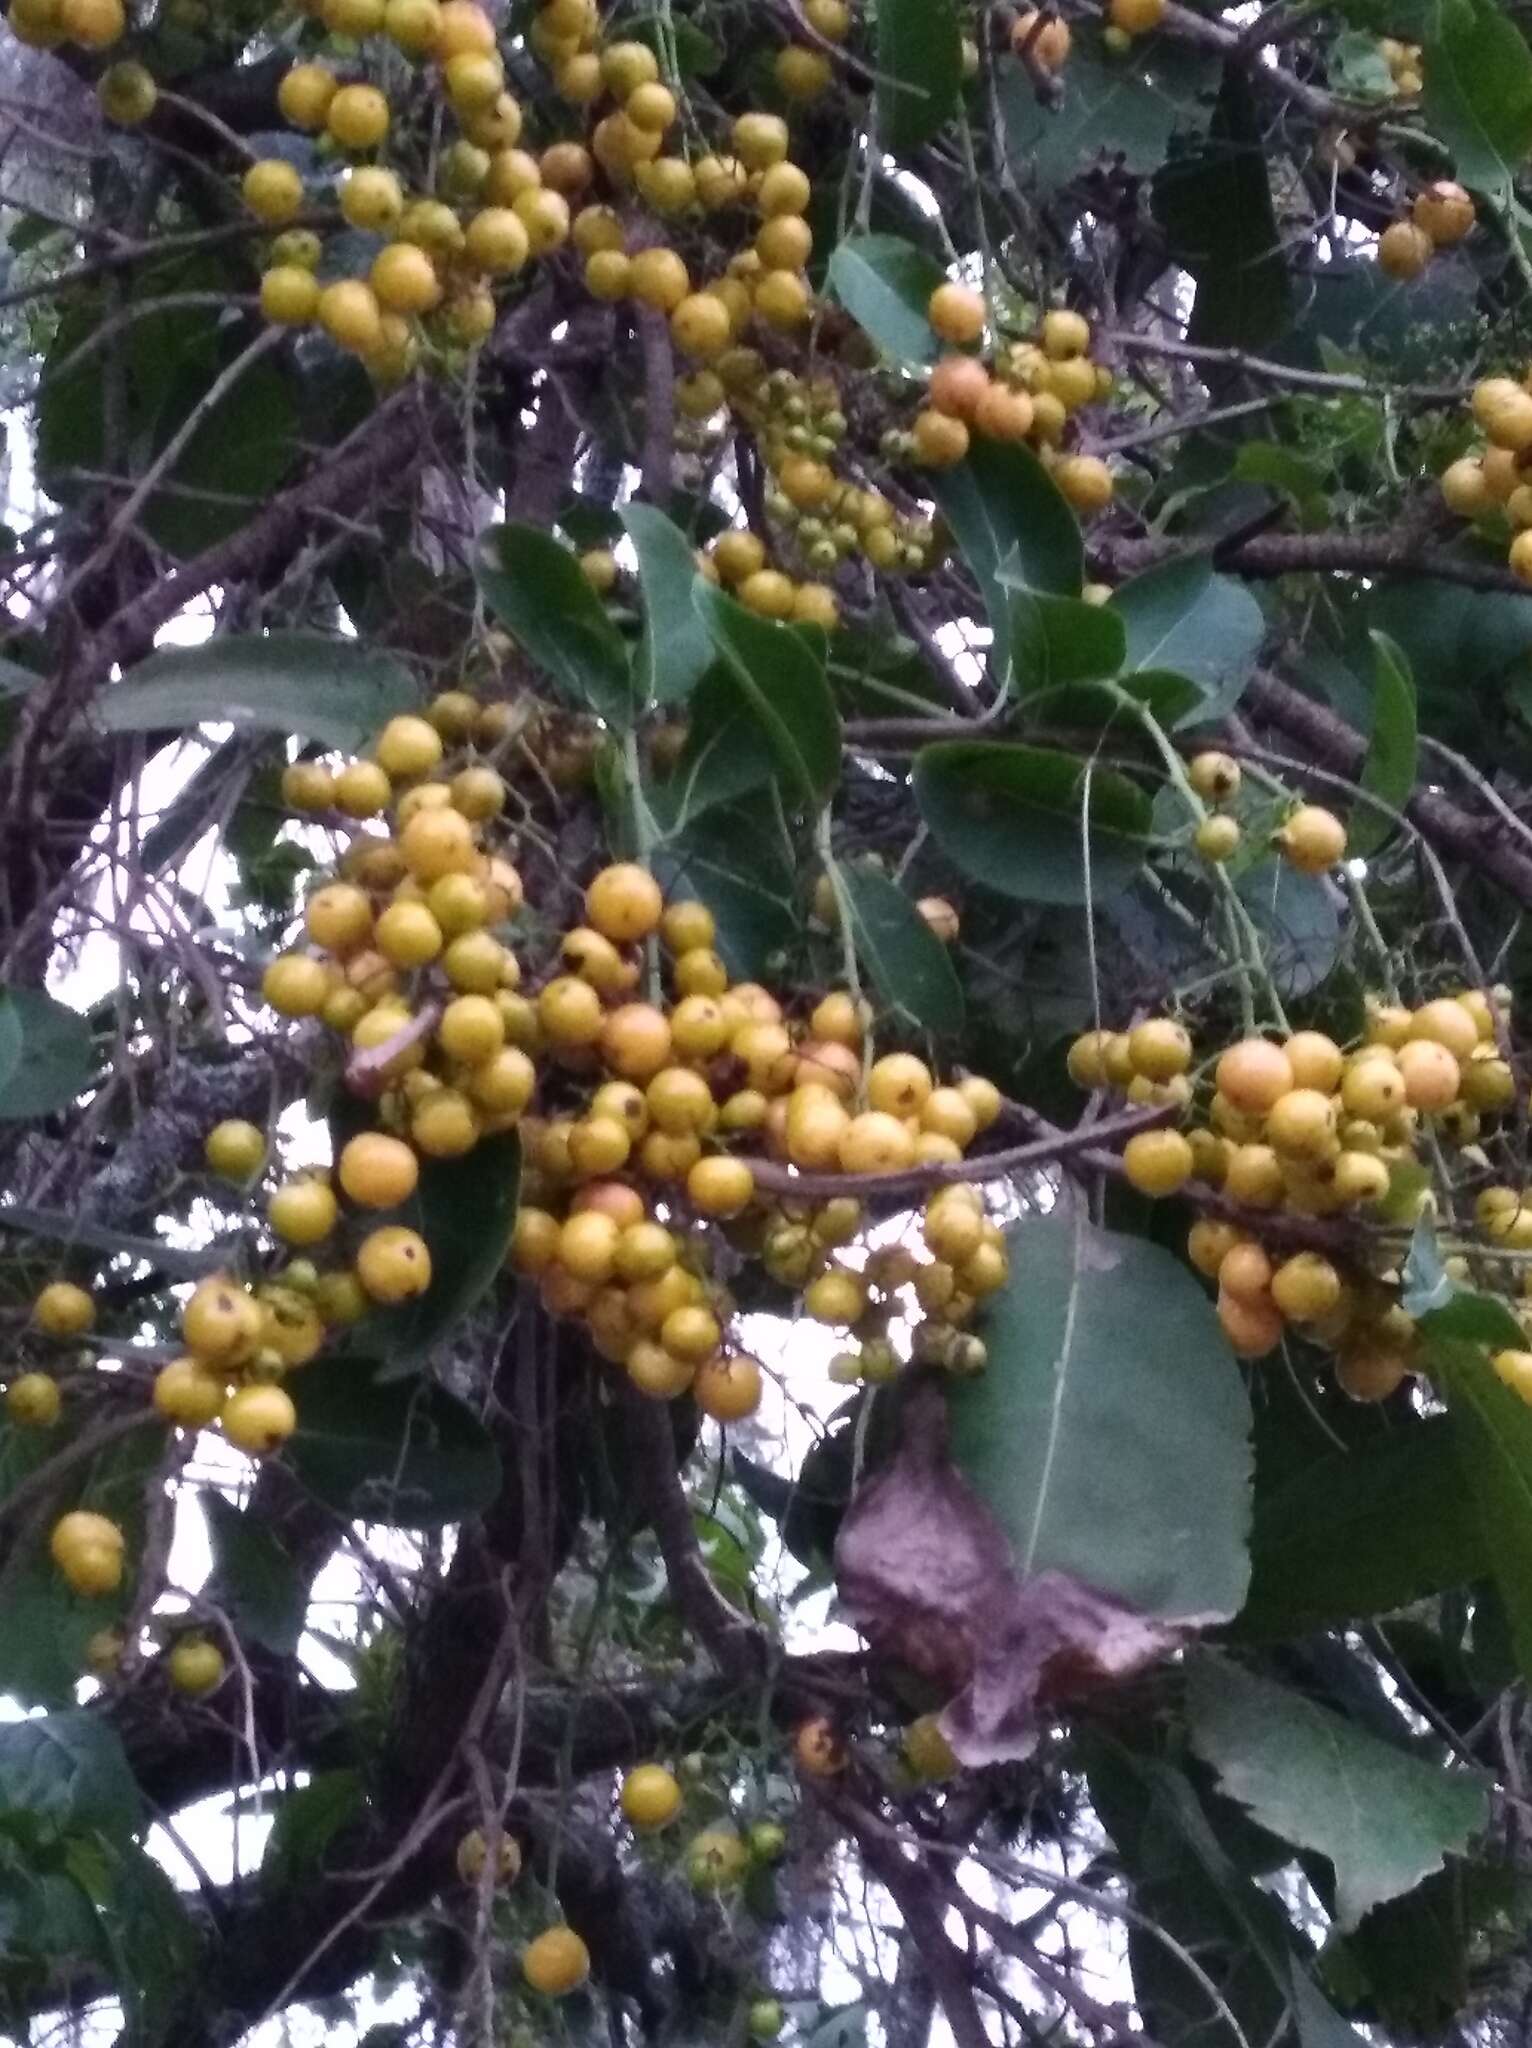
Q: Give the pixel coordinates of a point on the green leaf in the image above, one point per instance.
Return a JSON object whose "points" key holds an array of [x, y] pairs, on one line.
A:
{"points": [[1297, 918], [1478, 91], [535, 588], [1443, 1309], [1384, 1818], [405, 1452], [920, 70], [909, 966], [1447, 632], [722, 761], [259, 1584], [675, 651], [65, 1772], [1392, 751], [153, 1943], [306, 1823], [1056, 640], [465, 1209], [1125, 107], [885, 284], [1361, 1532], [781, 680], [1413, 1963], [1109, 1382], [1494, 1446], [1005, 511], [736, 863], [336, 692], [1216, 208], [1013, 818], [244, 449], [47, 1055], [1185, 616]]}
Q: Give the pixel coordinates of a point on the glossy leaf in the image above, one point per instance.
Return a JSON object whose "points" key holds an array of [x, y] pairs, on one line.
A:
{"points": [[1216, 208], [46, 1053], [781, 682], [735, 862], [405, 1452], [63, 1772], [1361, 1532], [1112, 106], [920, 70], [535, 588], [258, 1582], [1388, 771], [722, 761], [675, 651], [1186, 617], [337, 692], [884, 283], [1384, 1818], [1006, 512], [1013, 819], [908, 965], [1085, 1462], [1478, 90], [1056, 640]]}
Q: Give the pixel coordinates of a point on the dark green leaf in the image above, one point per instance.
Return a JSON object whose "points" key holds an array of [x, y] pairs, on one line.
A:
{"points": [[1389, 769], [1113, 106], [1084, 1463], [1188, 618], [1013, 818], [337, 692], [920, 70], [781, 680], [465, 1209], [1412, 1963], [405, 1452], [258, 1581], [1164, 695], [67, 1772], [1361, 1532], [242, 451], [885, 284], [306, 1823], [1442, 1308], [1385, 1819], [735, 862], [54, 1058], [535, 588], [675, 650], [1216, 209], [723, 758], [1494, 1446], [1056, 640], [909, 966], [1478, 91], [153, 1943], [1005, 511]]}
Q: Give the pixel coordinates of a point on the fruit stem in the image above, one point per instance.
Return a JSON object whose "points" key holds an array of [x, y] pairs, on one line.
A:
{"points": [[825, 850]]}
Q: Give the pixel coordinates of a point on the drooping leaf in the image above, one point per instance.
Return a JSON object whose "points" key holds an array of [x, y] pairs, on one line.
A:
{"points": [[337, 692], [908, 965], [1478, 90], [885, 284], [405, 1451], [1015, 819], [1384, 1818], [64, 1772], [781, 680], [1216, 208], [465, 1209], [1109, 1382], [1125, 107], [1494, 1446], [1005, 511], [1186, 617], [1389, 769], [535, 588], [1058, 640], [675, 650], [46, 1053], [259, 1584], [920, 70], [1361, 1532]]}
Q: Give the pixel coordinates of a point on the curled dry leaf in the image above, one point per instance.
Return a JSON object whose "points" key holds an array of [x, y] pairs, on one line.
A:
{"points": [[928, 1576]]}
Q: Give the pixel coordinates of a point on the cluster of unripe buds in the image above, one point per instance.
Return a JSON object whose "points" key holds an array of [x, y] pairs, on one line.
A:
{"points": [[1441, 215], [1301, 1128]]}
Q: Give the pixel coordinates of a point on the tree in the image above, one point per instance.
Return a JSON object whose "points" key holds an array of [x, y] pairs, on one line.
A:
{"points": [[767, 813]]}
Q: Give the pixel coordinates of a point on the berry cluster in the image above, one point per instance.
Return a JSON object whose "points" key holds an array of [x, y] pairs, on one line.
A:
{"points": [[1496, 483], [1303, 1129], [1441, 215]]}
